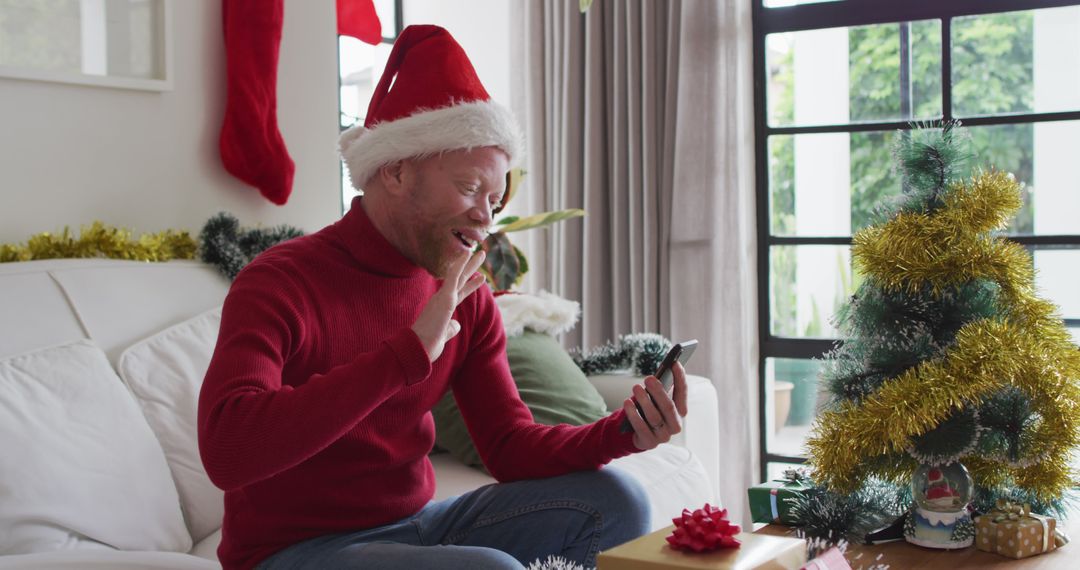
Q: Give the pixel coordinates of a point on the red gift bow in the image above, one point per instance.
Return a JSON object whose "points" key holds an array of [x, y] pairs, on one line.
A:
{"points": [[705, 529]]}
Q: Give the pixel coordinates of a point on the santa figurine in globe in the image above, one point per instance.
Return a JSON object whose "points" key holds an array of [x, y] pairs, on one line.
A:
{"points": [[939, 494], [940, 517]]}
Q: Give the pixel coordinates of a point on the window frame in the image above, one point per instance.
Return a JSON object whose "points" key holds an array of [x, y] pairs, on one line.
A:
{"points": [[398, 27], [848, 13]]}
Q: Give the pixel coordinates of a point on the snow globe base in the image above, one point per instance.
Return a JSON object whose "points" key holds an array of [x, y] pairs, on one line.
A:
{"points": [[933, 529]]}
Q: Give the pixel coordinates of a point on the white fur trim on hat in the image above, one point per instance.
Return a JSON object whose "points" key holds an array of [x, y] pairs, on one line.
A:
{"points": [[544, 313], [427, 132]]}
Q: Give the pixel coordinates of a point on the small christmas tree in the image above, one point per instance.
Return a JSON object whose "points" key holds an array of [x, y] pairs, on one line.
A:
{"points": [[948, 356]]}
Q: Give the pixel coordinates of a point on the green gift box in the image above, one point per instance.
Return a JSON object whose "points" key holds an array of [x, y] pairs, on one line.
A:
{"points": [[768, 501]]}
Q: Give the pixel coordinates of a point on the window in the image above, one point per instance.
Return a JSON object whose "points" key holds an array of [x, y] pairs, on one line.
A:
{"points": [[836, 81], [361, 65]]}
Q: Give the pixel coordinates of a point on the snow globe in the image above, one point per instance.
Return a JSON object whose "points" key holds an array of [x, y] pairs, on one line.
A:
{"points": [[940, 517]]}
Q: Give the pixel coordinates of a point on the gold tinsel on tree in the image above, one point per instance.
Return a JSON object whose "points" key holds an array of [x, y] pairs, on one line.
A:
{"points": [[931, 251]]}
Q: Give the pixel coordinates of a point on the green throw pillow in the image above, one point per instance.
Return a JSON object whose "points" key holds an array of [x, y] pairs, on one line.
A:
{"points": [[549, 382]]}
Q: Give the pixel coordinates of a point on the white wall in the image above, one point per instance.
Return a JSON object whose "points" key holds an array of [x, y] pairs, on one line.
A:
{"points": [[148, 161], [482, 27]]}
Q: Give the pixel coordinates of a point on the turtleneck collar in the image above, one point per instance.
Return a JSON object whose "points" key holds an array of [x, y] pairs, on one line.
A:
{"points": [[369, 247]]}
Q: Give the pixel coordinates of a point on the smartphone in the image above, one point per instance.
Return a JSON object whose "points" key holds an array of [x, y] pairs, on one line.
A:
{"points": [[680, 352]]}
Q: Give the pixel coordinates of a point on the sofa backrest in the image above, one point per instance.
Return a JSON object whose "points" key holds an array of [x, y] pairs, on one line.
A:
{"points": [[114, 303]]}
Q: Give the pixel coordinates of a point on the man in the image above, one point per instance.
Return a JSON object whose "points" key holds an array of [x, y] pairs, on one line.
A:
{"points": [[314, 416]]}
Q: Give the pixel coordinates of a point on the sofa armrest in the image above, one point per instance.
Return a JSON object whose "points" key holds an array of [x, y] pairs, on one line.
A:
{"points": [[701, 426]]}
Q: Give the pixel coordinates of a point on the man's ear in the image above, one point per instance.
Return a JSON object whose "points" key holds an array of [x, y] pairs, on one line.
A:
{"points": [[395, 176]]}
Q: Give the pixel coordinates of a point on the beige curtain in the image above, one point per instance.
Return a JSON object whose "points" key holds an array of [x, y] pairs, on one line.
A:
{"points": [[640, 112]]}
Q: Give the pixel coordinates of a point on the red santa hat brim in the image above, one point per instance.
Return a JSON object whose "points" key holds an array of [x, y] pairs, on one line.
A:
{"points": [[462, 126]]}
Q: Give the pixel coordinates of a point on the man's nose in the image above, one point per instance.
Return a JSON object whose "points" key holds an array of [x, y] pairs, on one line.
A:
{"points": [[481, 214]]}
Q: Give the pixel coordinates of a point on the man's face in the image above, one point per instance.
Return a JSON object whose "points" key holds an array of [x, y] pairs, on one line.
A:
{"points": [[447, 209]]}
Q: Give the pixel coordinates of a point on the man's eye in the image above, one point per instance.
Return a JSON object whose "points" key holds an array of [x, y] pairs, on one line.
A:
{"points": [[470, 188]]}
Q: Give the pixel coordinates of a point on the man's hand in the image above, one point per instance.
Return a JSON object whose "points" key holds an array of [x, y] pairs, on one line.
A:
{"points": [[434, 325], [662, 418]]}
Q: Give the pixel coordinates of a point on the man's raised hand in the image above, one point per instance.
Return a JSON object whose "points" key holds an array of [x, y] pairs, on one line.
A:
{"points": [[434, 325]]}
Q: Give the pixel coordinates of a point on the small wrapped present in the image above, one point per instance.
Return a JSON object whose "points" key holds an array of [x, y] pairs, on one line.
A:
{"points": [[755, 552], [831, 559], [703, 530], [769, 500], [1012, 530]]}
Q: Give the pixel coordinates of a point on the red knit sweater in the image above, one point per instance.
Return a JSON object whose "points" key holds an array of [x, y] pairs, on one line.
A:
{"points": [[314, 416]]}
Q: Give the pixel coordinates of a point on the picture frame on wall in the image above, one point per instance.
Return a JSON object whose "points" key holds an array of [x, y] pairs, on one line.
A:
{"points": [[124, 44]]}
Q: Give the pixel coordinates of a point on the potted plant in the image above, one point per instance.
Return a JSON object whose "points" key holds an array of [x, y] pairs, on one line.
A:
{"points": [[505, 264]]}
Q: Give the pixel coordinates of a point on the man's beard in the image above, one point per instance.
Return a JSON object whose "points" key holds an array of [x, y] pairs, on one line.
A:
{"points": [[432, 254], [436, 245]]}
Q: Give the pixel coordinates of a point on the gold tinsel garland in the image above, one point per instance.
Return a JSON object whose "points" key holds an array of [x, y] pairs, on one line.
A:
{"points": [[949, 246], [988, 355], [1027, 347], [99, 240]]}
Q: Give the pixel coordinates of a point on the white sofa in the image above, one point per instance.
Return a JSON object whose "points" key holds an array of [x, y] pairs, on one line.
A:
{"points": [[100, 363]]}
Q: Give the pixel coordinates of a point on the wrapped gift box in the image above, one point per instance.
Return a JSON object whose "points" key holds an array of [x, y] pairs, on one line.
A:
{"points": [[831, 559], [1007, 532], [768, 502], [758, 551]]}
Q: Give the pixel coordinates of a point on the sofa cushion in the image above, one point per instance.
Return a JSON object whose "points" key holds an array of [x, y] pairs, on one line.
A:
{"points": [[124, 301], [673, 478], [165, 372], [550, 384], [80, 468]]}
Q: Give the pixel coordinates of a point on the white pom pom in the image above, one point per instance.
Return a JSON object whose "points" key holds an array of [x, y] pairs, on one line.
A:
{"points": [[543, 312]]}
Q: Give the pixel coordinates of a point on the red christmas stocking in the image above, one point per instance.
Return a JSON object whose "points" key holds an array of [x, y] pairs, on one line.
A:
{"points": [[357, 18], [251, 145]]}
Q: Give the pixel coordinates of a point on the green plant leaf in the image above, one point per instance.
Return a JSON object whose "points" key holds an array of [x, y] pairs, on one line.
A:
{"points": [[544, 219], [507, 220], [513, 183], [501, 266], [523, 265], [584, 5]]}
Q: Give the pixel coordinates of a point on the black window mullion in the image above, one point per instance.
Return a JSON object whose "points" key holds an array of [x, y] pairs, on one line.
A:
{"points": [[808, 240], [399, 19], [971, 121], [840, 128], [778, 458], [1014, 118], [946, 69], [868, 12], [1045, 241], [806, 348], [906, 105]]}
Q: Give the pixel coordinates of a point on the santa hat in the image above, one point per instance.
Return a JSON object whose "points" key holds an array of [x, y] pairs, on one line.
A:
{"points": [[436, 103]]}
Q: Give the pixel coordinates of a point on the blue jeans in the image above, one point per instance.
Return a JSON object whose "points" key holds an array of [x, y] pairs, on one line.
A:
{"points": [[504, 525]]}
